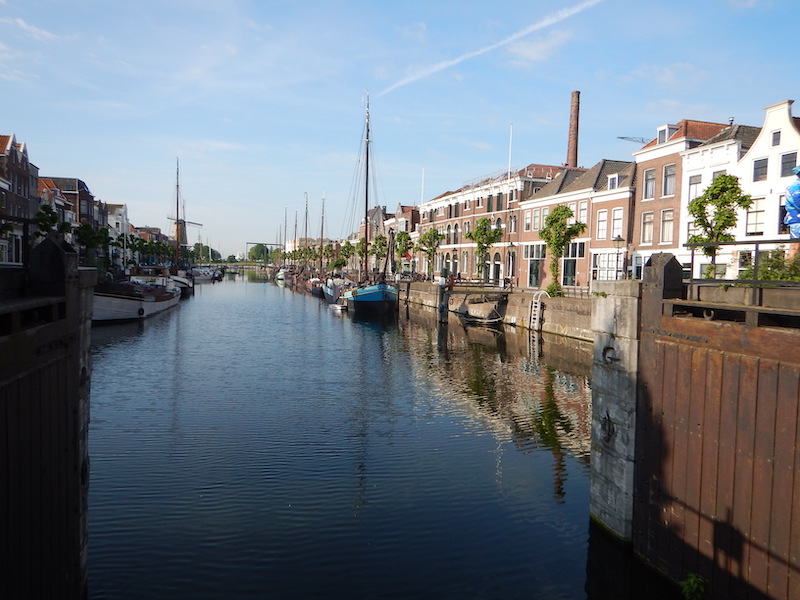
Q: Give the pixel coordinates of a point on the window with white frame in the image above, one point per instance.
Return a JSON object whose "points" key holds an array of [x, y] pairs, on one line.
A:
{"points": [[512, 224], [572, 253], [613, 181], [455, 233], [788, 162], [776, 138], [479, 203], [647, 228], [602, 224], [616, 222], [534, 255], [694, 186], [667, 220], [669, 180], [535, 224], [755, 217], [526, 224], [545, 212], [716, 174], [466, 204], [583, 211], [760, 169], [606, 266], [466, 227], [572, 207], [649, 184]]}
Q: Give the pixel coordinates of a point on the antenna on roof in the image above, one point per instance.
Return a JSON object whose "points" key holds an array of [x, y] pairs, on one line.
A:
{"points": [[639, 140]]}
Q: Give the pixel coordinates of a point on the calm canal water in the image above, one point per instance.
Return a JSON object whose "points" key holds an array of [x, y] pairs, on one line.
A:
{"points": [[254, 444]]}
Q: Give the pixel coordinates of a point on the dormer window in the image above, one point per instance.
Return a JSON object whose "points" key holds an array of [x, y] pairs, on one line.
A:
{"points": [[613, 181], [666, 132]]}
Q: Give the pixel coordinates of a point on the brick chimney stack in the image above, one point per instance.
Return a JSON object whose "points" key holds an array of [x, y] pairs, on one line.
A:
{"points": [[572, 145]]}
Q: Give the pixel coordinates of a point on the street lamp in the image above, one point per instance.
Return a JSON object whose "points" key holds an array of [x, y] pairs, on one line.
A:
{"points": [[618, 242]]}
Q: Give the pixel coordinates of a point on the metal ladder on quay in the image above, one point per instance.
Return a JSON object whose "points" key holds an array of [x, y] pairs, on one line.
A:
{"points": [[535, 321]]}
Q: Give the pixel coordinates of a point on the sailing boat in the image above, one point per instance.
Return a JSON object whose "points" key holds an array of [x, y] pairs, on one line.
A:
{"points": [[179, 275], [370, 298]]}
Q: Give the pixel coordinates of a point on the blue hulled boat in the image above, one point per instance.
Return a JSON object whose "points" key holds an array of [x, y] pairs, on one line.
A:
{"points": [[374, 299]]}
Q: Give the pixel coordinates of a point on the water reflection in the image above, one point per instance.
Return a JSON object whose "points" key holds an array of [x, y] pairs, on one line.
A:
{"points": [[293, 453], [498, 370]]}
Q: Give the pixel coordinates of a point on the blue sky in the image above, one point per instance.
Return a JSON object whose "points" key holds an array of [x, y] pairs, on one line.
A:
{"points": [[263, 101]]}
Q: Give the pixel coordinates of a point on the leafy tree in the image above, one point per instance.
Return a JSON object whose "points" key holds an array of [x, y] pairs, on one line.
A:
{"points": [[773, 266], [380, 247], [257, 253], [484, 235], [428, 244], [402, 246], [361, 248], [347, 251], [46, 220], [715, 214], [93, 240], [557, 233], [337, 263]]}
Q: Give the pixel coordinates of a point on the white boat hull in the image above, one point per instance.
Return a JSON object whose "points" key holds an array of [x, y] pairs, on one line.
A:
{"points": [[113, 307]]}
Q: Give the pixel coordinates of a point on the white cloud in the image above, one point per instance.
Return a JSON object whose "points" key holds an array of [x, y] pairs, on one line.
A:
{"points": [[551, 19], [33, 31]]}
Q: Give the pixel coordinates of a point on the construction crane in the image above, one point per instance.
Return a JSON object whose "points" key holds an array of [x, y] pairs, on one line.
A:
{"points": [[640, 140]]}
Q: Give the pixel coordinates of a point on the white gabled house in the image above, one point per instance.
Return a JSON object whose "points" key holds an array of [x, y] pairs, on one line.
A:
{"points": [[762, 158]]}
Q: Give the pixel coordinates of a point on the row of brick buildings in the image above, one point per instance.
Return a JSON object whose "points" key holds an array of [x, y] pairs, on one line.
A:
{"points": [[632, 209], [23, 191]]}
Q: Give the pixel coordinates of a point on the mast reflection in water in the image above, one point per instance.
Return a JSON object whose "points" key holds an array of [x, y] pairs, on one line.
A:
{"points": [[254, 444]]}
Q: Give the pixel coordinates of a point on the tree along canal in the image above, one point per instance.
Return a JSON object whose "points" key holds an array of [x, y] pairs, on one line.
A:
{"points": [[252, 443]]}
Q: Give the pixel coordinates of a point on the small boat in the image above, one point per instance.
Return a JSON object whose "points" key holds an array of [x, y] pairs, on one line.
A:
{"points": [[127, 300], [157, 275], [315, 287], [331, 290], [373, 299]]}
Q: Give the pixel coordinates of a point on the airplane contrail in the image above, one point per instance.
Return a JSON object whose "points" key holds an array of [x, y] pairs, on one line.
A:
{"points": [[556, 17]]}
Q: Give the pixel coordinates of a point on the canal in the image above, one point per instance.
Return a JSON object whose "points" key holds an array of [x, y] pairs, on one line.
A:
{"points": [[252, 443]]}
